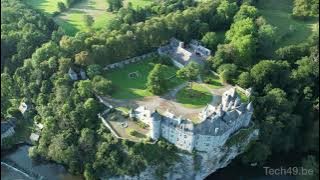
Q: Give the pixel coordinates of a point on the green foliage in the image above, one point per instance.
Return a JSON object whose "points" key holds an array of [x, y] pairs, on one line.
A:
{"points": [[83, 58], [101, 85], [246, 11], [88, 20], [226, 53], [195, 96], [310, 164], [257, 152], [286, 97], [270, 72], [305, 8], [244, 80], [210, 40], [212, 79], [114, 5], [226, 11], [61, 6], [266, 39], [94, 70], [293, 52], [85, 88], [22, 31], [228, 72], [128, 88], [189, 72], [157, 83]]}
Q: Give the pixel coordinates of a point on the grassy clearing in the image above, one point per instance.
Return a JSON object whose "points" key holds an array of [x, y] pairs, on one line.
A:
{"points": [[243, 96], [195, 96], [72, 19], [130, 88], [46, 6], [278, 14], [138, 3], [133, 133], [124, 110], [212, 80]]}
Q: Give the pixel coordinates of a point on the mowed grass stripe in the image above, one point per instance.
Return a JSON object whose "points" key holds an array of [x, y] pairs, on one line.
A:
{"points": [[130, 88], [278, 13], [72, 21]]}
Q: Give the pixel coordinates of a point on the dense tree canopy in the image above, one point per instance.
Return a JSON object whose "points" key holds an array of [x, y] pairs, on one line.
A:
{"points": [[22, 31], [37, 59]]}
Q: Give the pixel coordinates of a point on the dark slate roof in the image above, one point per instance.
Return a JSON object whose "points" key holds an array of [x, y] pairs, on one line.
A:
{"points": [[208, 126], [183, 124]]}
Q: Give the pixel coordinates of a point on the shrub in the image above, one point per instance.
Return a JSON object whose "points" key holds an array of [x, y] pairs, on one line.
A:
{"points": [[227, 72], [61, 6]]}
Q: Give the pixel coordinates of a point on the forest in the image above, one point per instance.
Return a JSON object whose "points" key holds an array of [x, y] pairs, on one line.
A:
{"points": [[37, 54]]}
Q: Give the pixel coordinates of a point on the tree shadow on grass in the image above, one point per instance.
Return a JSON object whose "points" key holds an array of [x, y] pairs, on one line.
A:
{"points": [[193, 98], [67, 27]]}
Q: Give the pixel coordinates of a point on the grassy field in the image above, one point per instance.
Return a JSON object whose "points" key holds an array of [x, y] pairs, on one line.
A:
{"points": [[72, 19], [138, 3], [243, 97], [195, 97], [278, 14], [46, 6], [130, 88], [213, 81]]}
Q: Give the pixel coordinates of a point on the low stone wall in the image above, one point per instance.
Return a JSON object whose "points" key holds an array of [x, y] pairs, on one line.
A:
{"points": [[247, 92], [105, 122], [129, 61]]}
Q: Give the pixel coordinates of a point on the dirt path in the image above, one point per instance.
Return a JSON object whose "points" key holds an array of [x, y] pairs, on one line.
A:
{"points": [[168, 102]]}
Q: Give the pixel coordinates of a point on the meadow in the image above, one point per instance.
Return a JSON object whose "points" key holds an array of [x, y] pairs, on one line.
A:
{"points": [[72, 21], [194, 96], [289, 30], [135, 87]]}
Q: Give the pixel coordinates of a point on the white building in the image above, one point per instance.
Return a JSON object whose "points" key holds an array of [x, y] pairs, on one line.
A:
{"points": [[34, 137], [23, 107], [182, 54], [72, 74], [218, 123]]}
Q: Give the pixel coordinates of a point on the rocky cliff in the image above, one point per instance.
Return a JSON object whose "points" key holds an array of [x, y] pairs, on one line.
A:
{"points": [[199, 165]]}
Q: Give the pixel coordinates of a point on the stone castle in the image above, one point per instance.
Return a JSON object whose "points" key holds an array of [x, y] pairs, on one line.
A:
{"points": [[217, 124]]}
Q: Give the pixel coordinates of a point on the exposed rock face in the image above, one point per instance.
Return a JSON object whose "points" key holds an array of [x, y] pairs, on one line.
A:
{"points": [[199, 165]]}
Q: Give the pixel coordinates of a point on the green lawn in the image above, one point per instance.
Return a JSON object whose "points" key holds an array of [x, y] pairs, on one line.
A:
{"points": [[213, 81], [46, 6], [278, 14], [195, 97], [130, 88], [243, 96], [124, 110], [72, 21], [138, 3]]}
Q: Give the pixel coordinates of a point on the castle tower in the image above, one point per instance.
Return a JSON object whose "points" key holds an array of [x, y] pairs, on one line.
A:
{"points": [[248, 114], [227, 97], [237, 102], [155, 125]]}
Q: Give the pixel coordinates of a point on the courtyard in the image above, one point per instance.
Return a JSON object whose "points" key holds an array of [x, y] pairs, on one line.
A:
{"points": [[127, 128], [130, 81], [182, 98]]}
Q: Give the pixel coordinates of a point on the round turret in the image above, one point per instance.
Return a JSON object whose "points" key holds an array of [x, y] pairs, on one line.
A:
{"points": [[155, 125], [237, 102], [250, 107]]}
